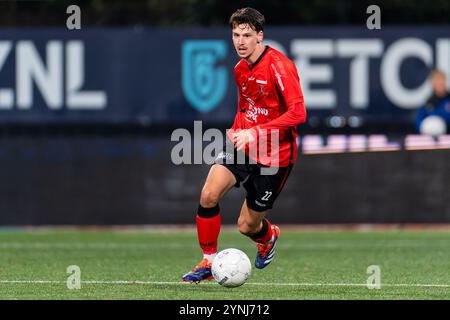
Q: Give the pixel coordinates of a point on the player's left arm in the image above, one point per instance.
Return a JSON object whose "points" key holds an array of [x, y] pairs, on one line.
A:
{"points": [[288, 84]]}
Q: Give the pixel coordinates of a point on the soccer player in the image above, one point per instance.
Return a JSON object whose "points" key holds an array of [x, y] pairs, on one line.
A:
{"points": [[270, 101]]}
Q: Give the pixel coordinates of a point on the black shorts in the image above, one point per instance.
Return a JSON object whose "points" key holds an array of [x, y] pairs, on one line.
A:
{"points": [[263, 184]]}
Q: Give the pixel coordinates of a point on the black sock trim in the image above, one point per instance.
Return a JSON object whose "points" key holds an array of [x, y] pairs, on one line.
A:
{"points": [[261, 233], [208, 212]]}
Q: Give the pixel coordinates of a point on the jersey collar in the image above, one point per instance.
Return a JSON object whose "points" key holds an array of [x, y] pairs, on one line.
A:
{"points": [[251, 66]]}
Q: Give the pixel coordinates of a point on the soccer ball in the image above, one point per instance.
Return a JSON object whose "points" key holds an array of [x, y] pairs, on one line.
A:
{"points": [[231, 268], [433, 126]]}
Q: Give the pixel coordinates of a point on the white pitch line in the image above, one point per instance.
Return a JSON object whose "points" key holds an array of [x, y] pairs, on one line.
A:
{"points": [[146, 246], [126, 282]]}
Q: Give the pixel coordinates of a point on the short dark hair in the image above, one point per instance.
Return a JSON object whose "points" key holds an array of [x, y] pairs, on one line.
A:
{"points": [[249, 16]]}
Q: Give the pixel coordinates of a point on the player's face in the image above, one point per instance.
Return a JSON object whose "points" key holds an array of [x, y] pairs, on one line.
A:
{"points": [[245, 40]]}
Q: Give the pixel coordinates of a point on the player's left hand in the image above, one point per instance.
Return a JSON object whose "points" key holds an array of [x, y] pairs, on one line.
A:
{"points": [[243, 137]]}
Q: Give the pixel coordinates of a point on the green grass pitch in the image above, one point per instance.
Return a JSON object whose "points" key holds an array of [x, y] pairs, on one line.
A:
{"points": [[148, 264]]}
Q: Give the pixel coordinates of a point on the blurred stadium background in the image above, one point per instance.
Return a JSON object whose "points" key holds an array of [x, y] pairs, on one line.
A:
{"points": [[86, 116]]}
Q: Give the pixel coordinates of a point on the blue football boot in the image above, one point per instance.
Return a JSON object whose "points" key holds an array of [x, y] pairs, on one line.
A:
{"points": [[201, 272], [266, 251]]}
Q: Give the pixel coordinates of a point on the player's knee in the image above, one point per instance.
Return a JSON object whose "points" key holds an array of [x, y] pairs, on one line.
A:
{"points": [[209, 198]]}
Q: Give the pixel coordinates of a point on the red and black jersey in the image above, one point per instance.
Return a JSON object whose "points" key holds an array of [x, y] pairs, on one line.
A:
{"points": [[270, 97]]}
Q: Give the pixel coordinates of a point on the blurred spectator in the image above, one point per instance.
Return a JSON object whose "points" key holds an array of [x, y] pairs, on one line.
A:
{"points": [[434, 117]]}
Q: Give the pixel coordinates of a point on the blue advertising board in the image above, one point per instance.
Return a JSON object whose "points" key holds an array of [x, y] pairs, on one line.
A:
{"points": [[147, 76]]}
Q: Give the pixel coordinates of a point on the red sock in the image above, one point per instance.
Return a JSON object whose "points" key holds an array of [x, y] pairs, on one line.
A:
{"points": [[265, 234], [208, 228]]}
